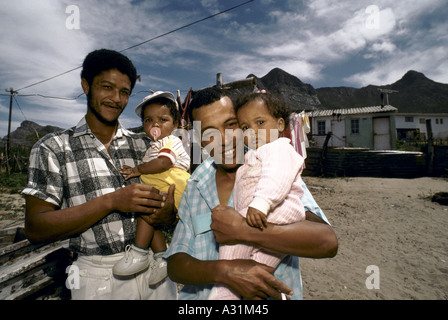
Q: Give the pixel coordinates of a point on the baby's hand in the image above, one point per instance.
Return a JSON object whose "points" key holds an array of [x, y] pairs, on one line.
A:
{"points": [[129, 172], [256, 218]]}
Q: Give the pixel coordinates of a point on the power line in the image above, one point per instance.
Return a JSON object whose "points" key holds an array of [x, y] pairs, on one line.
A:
{"points": [[189, 25], [75, 98], [58, 75], [152, 39], [17, 102]]}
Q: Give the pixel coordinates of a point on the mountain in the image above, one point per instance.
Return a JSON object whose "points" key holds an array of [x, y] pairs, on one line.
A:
{"points": [[299, 95], [28, 133], [415, 93]]}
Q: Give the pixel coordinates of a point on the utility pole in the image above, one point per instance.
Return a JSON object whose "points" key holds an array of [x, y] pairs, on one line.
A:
{"points": [[8, 141]]}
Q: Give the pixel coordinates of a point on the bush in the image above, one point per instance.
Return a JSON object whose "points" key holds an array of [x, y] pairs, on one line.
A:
{"points": [[15, 182]]}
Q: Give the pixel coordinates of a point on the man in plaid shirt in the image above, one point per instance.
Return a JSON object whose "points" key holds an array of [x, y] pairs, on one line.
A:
{"points": [[76, 192]]}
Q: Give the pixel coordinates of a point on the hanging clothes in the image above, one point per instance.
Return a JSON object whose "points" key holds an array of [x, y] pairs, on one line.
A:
{"points": [[300, 126], [183, 108], [187, 131]]}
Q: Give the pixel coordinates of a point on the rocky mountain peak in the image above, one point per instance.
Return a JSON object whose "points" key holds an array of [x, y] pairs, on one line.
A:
{"points": [[28, 133], [299, 95]]}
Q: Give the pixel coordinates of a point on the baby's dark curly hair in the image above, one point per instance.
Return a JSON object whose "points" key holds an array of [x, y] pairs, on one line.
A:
{"points": [[276, 105], [167, 102]]}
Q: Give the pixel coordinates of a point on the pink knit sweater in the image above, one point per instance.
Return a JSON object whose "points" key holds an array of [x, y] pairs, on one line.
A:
{"points": [[270, 181]]}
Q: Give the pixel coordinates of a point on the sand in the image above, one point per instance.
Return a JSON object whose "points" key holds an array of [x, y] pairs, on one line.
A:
{"points": [[12, 208], [388, 224]]}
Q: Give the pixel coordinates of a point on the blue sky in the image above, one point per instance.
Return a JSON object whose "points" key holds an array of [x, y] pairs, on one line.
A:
{"points": [[323, 43]]}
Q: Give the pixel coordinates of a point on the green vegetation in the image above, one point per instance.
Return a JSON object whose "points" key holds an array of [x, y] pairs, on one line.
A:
{"points": [[13, 183]]}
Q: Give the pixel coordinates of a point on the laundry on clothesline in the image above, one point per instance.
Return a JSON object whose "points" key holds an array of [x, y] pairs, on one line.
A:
{"points": [[300, 126]]}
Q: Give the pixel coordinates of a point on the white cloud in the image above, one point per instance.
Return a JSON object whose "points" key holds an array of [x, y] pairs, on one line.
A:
{"points": [[384, 46], [36, 44], [410, 48], [305, 38], [4, 109], [431, 61], [209, 4]]}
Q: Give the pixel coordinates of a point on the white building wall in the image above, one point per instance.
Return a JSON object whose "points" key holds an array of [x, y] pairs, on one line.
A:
{"points": [[439, 124]]}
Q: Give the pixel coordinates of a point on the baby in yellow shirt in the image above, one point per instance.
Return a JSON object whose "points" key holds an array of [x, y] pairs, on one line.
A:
{"points": [[165, 163]]}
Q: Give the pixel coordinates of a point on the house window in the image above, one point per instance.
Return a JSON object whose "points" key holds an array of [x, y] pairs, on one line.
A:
{"points": [[355, 126], [439, 121], [321, 128], [422, 121], [408, 119]]}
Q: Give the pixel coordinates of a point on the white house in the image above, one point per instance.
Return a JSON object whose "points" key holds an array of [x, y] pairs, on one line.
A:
{"points": [[367, 127], [412, 126]]}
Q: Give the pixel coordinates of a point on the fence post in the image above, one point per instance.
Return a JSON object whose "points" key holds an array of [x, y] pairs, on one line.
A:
{"points": [[324, 153], [430, 148]]}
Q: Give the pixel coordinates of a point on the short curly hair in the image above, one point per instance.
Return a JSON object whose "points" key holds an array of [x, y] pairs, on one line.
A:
{"points": [[174, 111], [102, 60], [205, 97], [277, 106]]}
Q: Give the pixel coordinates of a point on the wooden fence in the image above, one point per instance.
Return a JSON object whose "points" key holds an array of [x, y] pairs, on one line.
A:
{"points": [[17, 161], [354, 162], [31, 271]]}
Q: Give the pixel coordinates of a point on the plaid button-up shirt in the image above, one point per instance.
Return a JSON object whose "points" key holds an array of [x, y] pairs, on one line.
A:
{"points": [[72, 167], [194, 236]]}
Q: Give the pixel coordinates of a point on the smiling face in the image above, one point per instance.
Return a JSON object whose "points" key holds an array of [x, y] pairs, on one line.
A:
{"points": [[265, 128], [157, 115], [220, 135], [107, 96]]}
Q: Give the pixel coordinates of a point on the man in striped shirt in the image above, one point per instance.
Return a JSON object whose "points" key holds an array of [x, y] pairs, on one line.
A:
{"points": [[207, 218], [75, 190]]}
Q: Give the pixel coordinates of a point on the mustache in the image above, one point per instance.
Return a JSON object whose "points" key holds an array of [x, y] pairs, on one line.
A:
{"points": [[112, 104], [106, 103]]}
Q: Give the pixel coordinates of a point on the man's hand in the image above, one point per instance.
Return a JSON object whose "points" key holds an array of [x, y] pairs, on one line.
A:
{"points": [[252, 280], [166, 214], [137, 198], [227, 224]]}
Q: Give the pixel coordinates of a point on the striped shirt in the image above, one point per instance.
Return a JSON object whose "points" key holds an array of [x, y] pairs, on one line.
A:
{"points": [[71, 167], [171, 147], [194, 236]]}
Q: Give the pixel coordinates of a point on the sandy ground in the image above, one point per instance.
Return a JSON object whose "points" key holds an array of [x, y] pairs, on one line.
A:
{"points": [[12, 208], [390, 225]]}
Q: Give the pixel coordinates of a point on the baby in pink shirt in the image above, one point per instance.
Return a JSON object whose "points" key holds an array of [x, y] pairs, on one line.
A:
{"points": [[268, 186]]}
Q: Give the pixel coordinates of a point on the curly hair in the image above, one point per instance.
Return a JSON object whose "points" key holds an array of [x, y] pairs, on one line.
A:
{"points": [[174, 111], [205, 97], [102, 60], [277, 106]]}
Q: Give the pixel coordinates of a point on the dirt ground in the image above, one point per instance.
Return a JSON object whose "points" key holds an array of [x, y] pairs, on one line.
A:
{"points": [[12, 208], [390, 225], [393, 240]]}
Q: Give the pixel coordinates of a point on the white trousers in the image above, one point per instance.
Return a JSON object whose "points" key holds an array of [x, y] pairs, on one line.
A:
{"points": [[97, 282]]}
